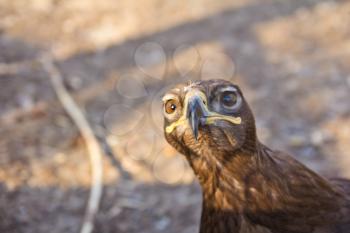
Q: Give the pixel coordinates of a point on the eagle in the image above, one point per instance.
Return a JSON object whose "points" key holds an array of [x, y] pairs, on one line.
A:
{"points": [[246, 186]]}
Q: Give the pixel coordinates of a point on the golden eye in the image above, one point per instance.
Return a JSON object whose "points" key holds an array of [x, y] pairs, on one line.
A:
{"points": [[170, 106], [228, 99]]}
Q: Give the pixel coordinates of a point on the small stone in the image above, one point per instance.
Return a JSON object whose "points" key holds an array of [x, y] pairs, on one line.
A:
{"points": [[318, 137]]}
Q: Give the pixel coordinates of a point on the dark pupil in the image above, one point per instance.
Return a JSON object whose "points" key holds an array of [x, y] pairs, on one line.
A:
{"points": [[170, 106], [228, 99]]}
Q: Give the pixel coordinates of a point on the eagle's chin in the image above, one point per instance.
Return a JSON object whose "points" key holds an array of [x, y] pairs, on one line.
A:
{"points": [[211, 140]]}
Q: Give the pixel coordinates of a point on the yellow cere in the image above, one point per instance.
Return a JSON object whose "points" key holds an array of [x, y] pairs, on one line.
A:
{"points": [[211, 118]]}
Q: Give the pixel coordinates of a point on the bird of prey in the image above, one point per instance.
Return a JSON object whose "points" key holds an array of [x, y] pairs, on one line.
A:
{"points": [[247, 187]]}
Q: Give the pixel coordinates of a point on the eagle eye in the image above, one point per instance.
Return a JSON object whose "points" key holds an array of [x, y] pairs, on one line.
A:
{"points": [[170, 106], [228, 100]]}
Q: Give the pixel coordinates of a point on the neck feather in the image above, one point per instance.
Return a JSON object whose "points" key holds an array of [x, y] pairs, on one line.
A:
{"points": [[225, 173], [223, 178]]}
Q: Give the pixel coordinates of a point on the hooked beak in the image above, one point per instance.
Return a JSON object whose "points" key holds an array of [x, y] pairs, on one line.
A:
{"points": [[196, 113]]}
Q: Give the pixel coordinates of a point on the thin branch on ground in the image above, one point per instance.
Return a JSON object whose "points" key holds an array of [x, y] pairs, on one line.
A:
{"points": [[95, 151]]}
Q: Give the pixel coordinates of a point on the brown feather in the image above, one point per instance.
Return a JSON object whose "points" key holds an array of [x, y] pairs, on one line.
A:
{"points": [[248, 187]]}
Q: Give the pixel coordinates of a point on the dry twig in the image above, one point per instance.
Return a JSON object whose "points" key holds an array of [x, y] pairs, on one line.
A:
{"points": [[92, 144]]}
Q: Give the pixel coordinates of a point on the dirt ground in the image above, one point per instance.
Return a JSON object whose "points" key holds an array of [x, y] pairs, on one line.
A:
{"points": [[290, 57]]}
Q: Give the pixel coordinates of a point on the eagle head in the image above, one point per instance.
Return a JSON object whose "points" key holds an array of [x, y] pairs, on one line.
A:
{"points": [[208, 117]]}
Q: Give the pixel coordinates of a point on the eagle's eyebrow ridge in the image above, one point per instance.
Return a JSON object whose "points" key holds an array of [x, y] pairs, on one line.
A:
{"points": [[169, 96]]}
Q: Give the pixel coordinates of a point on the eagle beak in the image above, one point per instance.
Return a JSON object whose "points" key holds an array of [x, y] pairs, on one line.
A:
{"points": [[196, 113]]}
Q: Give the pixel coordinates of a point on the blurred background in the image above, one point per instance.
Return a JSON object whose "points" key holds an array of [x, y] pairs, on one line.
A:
{"points": [[290, 57]]}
